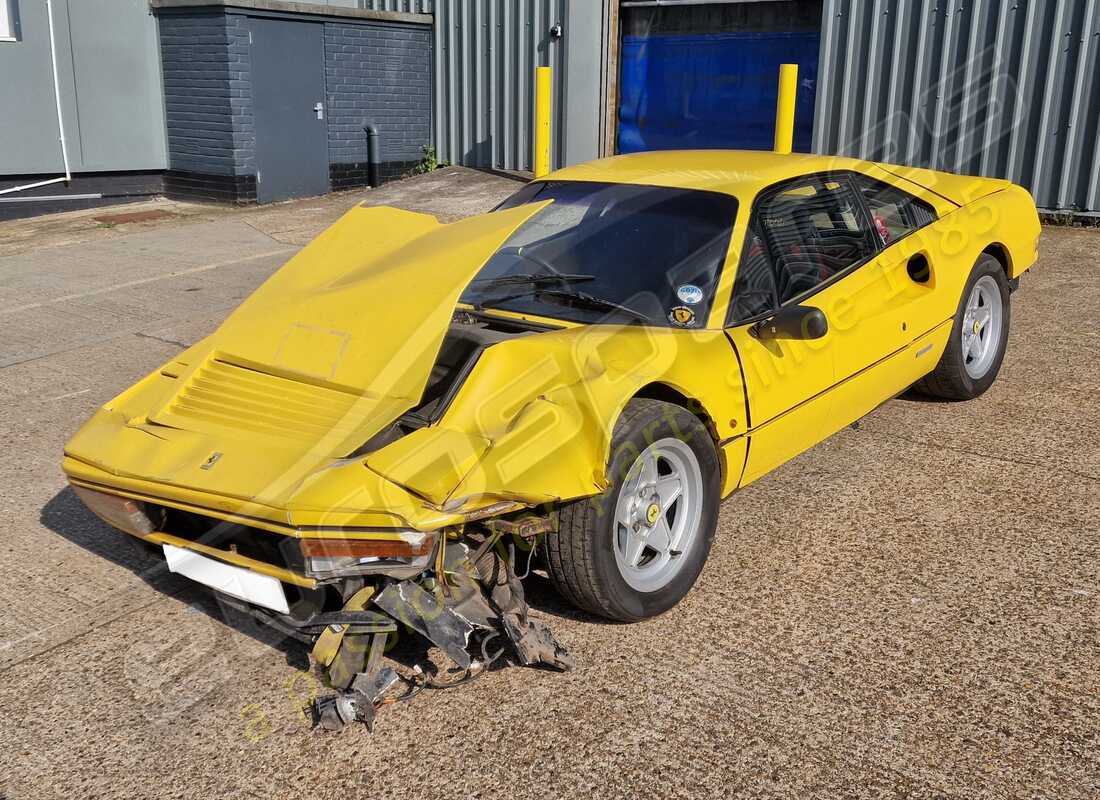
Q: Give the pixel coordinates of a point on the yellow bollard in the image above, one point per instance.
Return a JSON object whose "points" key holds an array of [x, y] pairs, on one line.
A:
{"points": [[784, 108], [543, 77]]}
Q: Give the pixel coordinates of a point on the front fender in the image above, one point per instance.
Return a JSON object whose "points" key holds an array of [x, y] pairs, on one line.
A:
{"points": [[533, 421]]}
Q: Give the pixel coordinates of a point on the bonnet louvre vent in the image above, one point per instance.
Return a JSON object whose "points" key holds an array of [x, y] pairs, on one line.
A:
{"points": [[237, 397]]}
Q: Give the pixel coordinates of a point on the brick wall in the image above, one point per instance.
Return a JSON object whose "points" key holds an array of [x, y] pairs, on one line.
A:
{"points": [[375, 72], [208, 106], [378, 73]]}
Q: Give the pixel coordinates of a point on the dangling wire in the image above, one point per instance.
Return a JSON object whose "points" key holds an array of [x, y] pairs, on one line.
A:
{"points": [[530, 558]]}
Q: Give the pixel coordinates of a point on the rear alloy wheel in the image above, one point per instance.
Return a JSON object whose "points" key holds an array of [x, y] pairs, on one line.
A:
{"points": [[974, 353], [636, 550], [981, 328]]}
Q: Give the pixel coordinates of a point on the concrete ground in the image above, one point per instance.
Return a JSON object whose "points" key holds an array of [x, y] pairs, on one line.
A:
{"points": [[910, 609]]}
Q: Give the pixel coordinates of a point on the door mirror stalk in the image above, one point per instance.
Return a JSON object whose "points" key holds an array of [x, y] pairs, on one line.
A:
{"points": [[792, 322]]}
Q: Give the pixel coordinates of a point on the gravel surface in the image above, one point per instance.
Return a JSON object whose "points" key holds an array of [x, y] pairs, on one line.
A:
{"points": [[908, 610]]}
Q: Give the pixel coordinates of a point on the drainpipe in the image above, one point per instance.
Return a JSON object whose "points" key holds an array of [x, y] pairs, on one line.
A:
{"points": [[374, 154], [60, 121]]}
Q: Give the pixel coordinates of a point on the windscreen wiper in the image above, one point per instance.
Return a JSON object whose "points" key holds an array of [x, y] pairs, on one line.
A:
{"points": [[584, 300], [531, 278]]}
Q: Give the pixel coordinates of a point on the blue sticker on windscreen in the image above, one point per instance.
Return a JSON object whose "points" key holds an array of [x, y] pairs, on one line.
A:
{"points": [[690, 294]]}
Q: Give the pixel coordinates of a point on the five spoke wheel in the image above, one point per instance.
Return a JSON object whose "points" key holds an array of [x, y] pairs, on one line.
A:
{"points": [[981, 327], [658, 513]]}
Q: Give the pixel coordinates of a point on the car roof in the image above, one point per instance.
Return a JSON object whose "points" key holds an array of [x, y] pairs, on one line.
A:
{"points": [[741, 173]]}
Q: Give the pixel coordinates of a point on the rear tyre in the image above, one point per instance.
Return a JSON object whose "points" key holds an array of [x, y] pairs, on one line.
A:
{"points": [[979, 337], [637, 549]]}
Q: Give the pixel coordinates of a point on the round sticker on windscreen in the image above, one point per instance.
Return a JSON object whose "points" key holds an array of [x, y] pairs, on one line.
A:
{"points": [[690, 294]]}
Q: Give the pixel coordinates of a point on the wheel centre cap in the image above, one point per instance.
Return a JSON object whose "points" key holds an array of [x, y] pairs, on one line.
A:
{"points": [[977, 327], [652, 513]]}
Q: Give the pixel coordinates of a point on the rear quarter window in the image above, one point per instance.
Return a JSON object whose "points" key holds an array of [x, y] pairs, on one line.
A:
{"points": [[895, 213]]}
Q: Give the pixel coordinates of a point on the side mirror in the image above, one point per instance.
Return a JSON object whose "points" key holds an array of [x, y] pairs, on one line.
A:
{"points": [[792, 322]]}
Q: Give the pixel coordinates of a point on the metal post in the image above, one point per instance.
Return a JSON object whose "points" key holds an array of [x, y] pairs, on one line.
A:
{"points": [[784, 108], [543, 76], [374, 155]]}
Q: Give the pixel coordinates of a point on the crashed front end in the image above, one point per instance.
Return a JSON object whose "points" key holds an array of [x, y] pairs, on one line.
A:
{"points": [[340, 473], [346, 595]]}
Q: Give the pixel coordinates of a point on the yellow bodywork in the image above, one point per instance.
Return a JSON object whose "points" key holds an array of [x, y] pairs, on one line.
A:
{"points": [[260, 422]]}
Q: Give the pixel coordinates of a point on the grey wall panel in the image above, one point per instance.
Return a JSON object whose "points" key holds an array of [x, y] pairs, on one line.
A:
{"points": [[28, 122], [486, 52], [109, 73], [119, 101], [990, 87], [583, 84]]}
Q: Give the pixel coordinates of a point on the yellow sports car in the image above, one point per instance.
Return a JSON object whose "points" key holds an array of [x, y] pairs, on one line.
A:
{"points": [[587, 371]]}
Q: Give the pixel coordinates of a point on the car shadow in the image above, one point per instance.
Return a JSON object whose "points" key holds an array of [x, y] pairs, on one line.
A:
{"points": [[543, 597], [914, 396], [65, 515]]}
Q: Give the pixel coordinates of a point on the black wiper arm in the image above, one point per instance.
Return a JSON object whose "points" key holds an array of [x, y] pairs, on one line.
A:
{"points": [[531, 278], [583, 299]]}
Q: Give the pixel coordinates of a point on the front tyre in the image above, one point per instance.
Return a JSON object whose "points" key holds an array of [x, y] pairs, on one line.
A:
{"points": [[637, 549], [979, 336]]}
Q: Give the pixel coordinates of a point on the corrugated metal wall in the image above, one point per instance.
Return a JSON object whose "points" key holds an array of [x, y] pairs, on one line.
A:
{"points": [[988, 87], [486, 52], [406, 6]]}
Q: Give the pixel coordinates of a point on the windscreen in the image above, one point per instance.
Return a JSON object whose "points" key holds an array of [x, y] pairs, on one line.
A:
{"points": [[609, 252]]}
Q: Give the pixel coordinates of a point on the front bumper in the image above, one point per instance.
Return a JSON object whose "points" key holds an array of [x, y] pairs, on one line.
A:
{"points": [[281, 552]]}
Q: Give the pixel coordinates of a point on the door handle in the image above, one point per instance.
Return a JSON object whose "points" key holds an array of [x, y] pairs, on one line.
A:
{"points": [[319, 110]]}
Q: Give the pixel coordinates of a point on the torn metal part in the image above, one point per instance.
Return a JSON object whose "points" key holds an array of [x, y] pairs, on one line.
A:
{"points": [[374, 684], [534, 644], [462, 591], [331, 637], [354, 657], [335, 712], [428, 615], [465, 596], [526, 526], [532, 641]]}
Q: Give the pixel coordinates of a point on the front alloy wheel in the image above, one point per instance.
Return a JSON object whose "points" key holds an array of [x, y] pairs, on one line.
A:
{"points": [[658, 514], [636, 550]]}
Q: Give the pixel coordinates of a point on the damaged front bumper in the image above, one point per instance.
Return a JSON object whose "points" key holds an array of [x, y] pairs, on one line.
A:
{"points": [[457, 587], [472, 607]]}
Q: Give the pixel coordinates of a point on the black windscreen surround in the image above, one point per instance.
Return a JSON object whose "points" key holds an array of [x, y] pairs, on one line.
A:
{"points": [[656, 250]]}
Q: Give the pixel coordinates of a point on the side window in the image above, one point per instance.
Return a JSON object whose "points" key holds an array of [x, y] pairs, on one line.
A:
{"points": [[804, 233], [894, 213], [754, 289]]}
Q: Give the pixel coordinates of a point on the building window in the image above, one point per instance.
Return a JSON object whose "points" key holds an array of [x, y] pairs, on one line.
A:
{"points": [[9, 21]]}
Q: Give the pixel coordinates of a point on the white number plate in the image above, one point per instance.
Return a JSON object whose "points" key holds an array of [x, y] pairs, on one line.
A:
{"points": [[252, 587]]}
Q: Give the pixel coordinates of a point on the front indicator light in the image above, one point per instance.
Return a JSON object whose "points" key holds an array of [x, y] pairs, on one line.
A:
{"points": [[367, 548], [344, 558], [125, 514]]}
